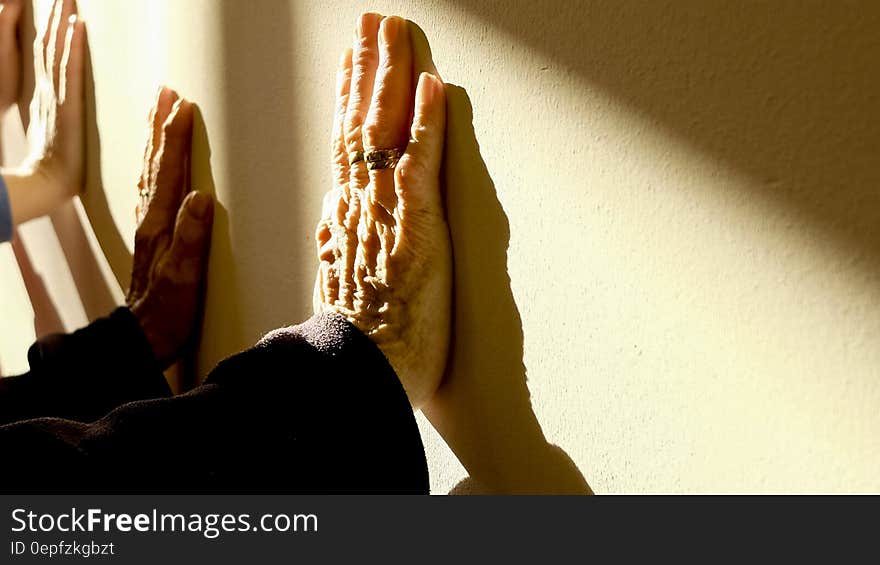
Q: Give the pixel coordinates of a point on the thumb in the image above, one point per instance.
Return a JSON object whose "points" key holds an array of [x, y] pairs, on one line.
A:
{"points": [[188, 254], [418, 171]]}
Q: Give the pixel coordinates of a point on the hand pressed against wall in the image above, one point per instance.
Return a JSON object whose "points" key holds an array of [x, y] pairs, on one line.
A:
{"points": [[57, 132], [383, 241], [173, 234], [55, 169]]}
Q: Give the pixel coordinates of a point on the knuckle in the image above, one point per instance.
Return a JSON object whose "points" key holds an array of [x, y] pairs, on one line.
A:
{"points": [[373, 131], [190, 235], [173, 274], [354, 121], [409, 171], [359, 176], [182, 271], [340, 157], [365, 56], [340, 170], [420, 130]]}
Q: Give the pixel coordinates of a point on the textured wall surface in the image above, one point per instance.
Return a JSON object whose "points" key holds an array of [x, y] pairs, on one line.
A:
{"points": [[685, 196]]}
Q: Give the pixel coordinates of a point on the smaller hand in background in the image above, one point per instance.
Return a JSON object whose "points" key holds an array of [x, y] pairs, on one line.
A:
{"points": [[10, 54], [57, 130], [173, 234]]}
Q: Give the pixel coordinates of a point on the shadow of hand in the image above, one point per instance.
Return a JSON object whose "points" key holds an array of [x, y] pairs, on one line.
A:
{"points": [[483, 409]]}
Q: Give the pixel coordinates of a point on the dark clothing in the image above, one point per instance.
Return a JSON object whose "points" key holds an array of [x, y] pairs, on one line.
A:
{"points": [[310, 408]]}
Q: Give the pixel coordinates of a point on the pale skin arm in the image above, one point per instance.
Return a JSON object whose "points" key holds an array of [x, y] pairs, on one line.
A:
{"points": [[54, 171]]}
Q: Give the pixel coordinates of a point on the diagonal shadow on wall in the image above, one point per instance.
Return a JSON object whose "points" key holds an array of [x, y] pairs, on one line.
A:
{"points": [[784, 94]]}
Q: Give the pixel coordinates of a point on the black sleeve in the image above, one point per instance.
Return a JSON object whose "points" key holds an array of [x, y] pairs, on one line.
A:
{"points": [[83, 375], [310, 408]]}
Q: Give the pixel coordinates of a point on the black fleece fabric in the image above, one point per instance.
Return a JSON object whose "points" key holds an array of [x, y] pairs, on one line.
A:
{"points": [[313, 408]]}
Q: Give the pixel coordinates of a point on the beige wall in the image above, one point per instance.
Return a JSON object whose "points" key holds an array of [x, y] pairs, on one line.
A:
{"points": [[690, 190]]}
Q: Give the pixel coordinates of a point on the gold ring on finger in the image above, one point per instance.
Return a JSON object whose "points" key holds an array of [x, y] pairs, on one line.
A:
{"points": [[382, 158]]}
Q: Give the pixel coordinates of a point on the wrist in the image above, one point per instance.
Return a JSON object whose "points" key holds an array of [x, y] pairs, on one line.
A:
{"points": [[53, 177], [31, 194]]}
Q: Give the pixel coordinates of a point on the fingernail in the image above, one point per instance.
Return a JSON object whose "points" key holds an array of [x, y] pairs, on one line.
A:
{"points": [[364, 25], [390, 29], [199, 204], [363, 22]]}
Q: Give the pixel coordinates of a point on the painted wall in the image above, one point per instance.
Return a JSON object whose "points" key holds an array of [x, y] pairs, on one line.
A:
{"points": [[666, 216]]}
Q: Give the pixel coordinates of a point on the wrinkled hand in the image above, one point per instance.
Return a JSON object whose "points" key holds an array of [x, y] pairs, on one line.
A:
{"points": [[57, 132], [173, 234], [10, 54], [383, 241]]}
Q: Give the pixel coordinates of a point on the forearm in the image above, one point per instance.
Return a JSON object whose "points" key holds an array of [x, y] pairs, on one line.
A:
{"points": [[311, 408], [499, 442], [84, 375]]}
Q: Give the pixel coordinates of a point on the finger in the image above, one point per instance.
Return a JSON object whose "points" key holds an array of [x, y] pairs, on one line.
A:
{"points": [[43, 64], [342, 284], [188, 254], [330, 236], [343, 88], [165, 99], [366, 268], [154, 232], [170, 164], [169, 179], [10, 10], [330, 232], [365, 58], [58, 39], [391, 108], [417, 175], [70, 91]]}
